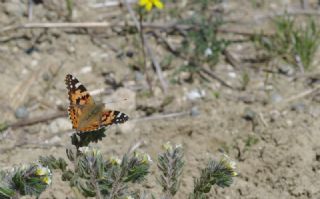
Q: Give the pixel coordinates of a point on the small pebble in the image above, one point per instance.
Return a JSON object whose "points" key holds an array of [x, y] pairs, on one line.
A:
{"points": [[195, 111], [276, 98], [248, 99], [232, 74], [195, 94], [268, 87], [86, 69], [71, 49], [298, 107], [54, 140], [274, 115], [249, 114], [46, 76], [289, 123], [129, 53], [21, 112], [286, 70], [139, 76], [208, 52], [314, 112], [58, 125]]}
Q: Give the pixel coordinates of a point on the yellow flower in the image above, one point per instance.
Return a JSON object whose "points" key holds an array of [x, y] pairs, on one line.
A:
{"points": [[148, 4], [168, 146], [143, 157], [228, 162], [41, 171], [115, 160], [46, 180], [234, 174]]}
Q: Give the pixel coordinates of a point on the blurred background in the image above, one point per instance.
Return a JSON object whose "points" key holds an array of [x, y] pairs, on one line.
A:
{"points": [[217, 76]]}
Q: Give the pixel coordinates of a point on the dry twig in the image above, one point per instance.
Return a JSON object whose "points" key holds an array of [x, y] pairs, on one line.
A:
{"points": [[298, 96], [216, 77], [40, 119], [164, 27], [155, 62]]}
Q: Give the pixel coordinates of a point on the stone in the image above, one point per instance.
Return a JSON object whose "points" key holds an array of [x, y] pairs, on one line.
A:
{"points": [[21, 112], [60, 124], [276, 98]]}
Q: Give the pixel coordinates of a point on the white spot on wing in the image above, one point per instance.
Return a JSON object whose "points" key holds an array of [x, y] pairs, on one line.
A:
{"points": [[77, 84]]}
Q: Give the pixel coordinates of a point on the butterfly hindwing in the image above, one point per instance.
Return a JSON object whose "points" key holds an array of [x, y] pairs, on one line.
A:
{"points": [[113, 117]]}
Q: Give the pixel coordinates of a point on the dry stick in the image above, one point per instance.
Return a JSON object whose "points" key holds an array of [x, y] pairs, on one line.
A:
{"points": [[136, 146], [232, 60], [167, 26], [30, 10], [288, 12], [167, 44], [216, 77], [304, 4], [110, 3], [155, 62], [18, 94], [37, 120], [32, 145], [294, 97], [157, 117]]}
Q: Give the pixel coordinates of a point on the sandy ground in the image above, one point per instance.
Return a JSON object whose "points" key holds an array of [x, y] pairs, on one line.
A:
{"points": [[277, 152]]}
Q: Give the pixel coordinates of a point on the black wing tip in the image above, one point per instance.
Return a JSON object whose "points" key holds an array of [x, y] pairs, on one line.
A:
{"points": [[120, 117]]}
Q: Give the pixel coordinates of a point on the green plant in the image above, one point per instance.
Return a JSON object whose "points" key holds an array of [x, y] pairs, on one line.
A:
{"points": [[295, 45], [69, 4], [94, 176], [170, 163], [251, 140], [30, 179], [245, 80], [305, 44], [220, 173], [201, 46]]}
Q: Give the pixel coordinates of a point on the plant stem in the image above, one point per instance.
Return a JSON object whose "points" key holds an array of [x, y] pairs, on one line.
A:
{"points": [[169, 179], [95, 183], [143, 48], [16, 196], [96, 186], [115, 187]]}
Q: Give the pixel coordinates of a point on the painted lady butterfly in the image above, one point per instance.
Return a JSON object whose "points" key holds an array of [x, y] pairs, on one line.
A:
{"points": [[84, 113]]}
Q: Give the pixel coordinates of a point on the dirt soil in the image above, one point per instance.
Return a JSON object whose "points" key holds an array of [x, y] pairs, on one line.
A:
{"points": [[271, 129]]}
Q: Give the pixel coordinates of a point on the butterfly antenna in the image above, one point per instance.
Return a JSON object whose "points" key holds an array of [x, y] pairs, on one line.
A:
{"points": [[116, 101]]}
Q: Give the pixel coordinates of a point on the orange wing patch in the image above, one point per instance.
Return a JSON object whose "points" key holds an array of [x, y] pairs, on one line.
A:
{"points": [[84, 114], [73, 117]]}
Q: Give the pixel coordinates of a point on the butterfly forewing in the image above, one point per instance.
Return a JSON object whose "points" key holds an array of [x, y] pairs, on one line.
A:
{"points": [[78, 94]]}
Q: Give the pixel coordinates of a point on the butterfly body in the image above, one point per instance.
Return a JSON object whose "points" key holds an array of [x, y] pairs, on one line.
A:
{"points": [[84, 113]]}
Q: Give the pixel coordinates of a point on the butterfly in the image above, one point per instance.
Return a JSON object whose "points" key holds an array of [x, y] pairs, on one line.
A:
{"points": [[85, 114]]}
